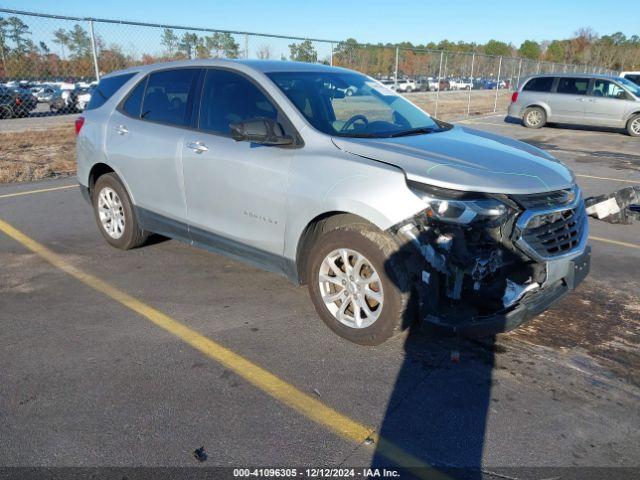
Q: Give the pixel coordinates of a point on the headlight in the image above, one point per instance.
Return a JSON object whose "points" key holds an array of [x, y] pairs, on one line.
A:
{"points": [[458, 210]]}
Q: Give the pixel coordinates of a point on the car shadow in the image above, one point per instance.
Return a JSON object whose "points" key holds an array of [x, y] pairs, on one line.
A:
{"points": [[437, 412]]}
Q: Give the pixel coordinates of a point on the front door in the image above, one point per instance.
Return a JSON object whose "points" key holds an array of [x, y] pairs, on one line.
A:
{"points": [[236, 191], [608, 105]]}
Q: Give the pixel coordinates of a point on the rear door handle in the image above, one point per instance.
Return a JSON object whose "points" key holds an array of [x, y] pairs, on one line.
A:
{"points": [[198, 147], [120, 129]]}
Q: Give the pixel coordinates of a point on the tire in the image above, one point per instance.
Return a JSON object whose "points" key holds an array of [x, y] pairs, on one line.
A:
{"points": [[534, 117], [633, 125], [124, 236], [393, 288]]}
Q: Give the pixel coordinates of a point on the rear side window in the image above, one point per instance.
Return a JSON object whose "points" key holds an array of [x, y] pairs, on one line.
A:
{"points": [[133, 103], [540, 84], [573, 86], [106, 88], [166, 98]]}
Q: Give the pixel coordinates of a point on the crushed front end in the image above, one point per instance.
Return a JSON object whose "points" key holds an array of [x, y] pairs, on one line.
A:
{"points": [[484, 264]]}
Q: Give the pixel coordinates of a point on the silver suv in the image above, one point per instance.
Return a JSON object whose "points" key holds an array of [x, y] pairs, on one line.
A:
{"points": [[596, 100], [383, 211]]}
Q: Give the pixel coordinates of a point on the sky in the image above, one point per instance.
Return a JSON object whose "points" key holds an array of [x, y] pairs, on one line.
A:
{"points": [[371, 22]]}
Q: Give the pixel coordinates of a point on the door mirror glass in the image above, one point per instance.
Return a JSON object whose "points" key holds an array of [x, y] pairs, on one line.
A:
{"points": [[260, 130]]}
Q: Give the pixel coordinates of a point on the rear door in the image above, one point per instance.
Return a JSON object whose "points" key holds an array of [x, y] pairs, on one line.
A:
{"points": [[608, 104], [236, 191], [568, 102], [144, 142]]}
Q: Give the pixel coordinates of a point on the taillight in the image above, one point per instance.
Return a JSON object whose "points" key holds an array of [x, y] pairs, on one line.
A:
{"points": [[79, 124], [514, 97], [18, 101]]}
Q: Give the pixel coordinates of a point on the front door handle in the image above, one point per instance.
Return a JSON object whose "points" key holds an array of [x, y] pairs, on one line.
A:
{"points": [[120, 129], [198, 147]]}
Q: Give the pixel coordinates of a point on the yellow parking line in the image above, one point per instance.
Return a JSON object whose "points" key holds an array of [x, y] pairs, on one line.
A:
{"points": [[607, 178], [277, 388], [615, 242], [29, 192]]}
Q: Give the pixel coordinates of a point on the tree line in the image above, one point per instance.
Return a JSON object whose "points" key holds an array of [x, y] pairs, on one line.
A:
{"points": [[70, 54]]}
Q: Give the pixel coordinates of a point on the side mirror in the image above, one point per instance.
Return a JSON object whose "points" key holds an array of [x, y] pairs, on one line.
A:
{"points": [[260, 130]]}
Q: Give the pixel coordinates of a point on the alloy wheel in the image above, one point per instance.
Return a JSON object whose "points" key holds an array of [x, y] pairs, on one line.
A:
{"points": [[351, 288], [111, 213]]}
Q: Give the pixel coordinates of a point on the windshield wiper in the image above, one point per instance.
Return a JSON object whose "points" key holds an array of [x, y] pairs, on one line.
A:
{"points": [[414, 131], [360, 135]]}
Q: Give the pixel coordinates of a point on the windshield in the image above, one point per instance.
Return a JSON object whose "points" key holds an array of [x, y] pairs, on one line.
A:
{"points": [[629, 85], [348, 104]]}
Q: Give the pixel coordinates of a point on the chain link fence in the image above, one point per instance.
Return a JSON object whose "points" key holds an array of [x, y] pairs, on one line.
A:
{"points": [[48, 64]]}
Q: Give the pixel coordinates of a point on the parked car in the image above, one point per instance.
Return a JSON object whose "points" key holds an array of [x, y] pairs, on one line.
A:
{"points": [[598, 100], [633, 76], [48, 93], [16, 102], [407, 85], [279, 169], [459, 84], [84, 96]]}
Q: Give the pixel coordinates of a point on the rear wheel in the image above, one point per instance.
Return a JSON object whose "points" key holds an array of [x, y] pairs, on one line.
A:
{"points": [[359, 284], [534, 117], [115, 214], [633, 126]]}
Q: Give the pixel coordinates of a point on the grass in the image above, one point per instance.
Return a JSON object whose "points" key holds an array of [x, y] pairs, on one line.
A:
{"points": [[33, 155], [50, 152]]}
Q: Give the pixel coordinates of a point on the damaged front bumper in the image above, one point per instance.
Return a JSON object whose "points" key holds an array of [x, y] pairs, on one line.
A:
{"points": [[492, 276], [528, 306]]}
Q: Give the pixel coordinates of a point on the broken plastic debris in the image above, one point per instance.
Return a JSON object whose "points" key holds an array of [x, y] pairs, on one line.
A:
{"points": [[426, 276], [444, 242], [199, 454], [604, 209], [621, 206], [368, 441], [315, 390], [514, 292]]}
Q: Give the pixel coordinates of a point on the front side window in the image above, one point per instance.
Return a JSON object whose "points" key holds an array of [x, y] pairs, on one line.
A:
{"points": [[573, 86], [227, 98], [604, 88], [166, 97], [539, 84], [629, 85], [633, 78], [106, 88], [349, 104]]}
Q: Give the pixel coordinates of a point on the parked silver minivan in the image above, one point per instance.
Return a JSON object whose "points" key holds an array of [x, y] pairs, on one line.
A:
{"points": [[596, 100], [382, 210]]}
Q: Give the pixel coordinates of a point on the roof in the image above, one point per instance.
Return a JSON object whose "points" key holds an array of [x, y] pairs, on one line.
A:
{"points": [[573, 75], [264, 66]]}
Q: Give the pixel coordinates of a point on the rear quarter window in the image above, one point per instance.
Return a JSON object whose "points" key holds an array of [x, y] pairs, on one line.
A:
{"points": [[539, 84], [106, 88]]}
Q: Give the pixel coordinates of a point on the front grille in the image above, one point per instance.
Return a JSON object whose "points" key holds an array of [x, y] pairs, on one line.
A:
{"points": [[552, 234]]}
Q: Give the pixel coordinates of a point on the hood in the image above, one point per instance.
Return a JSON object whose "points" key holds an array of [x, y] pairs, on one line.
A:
{"points": [[465, 159]]}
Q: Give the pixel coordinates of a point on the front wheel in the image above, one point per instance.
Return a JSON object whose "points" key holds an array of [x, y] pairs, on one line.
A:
{"points": [[534, 117], [115, 214], [359, 284], [633, 126]]}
